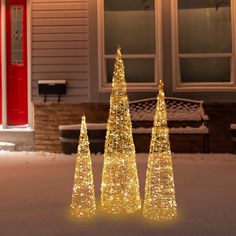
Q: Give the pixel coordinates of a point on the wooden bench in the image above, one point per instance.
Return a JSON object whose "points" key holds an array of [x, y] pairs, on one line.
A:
{"points": [[187, 122], [186, 118]]}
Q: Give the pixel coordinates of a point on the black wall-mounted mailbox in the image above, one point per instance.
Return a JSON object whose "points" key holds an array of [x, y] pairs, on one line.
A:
{"points": [[53, 87]]}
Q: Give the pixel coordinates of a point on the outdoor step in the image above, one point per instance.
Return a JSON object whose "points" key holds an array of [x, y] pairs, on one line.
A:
{"points": [[22, 138]]}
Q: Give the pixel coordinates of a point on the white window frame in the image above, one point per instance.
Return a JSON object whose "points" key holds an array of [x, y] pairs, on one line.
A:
{"points": [[179, 86], [104, 86]]}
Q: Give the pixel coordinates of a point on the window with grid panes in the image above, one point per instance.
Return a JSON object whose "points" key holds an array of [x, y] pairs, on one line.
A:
{"points": [[135, 26], [203, 37]]}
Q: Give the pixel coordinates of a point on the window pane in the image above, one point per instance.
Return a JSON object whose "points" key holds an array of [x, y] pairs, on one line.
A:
{"points": [[16, 35], [131, 24], [204, 26], [136, 70], [205, 69], [17, 55], [19, 14]]}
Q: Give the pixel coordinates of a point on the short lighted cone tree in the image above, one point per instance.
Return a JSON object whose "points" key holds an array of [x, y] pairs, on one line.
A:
{"points": [[120, 186], [159, 201], [83, 196]]}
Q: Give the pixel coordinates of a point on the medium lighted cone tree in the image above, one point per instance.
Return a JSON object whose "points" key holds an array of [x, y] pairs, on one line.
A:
{"points": [[120, 186], [83, 196], [159, 201]]}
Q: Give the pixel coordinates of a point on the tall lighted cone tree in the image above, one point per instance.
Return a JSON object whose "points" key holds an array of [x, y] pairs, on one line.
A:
{"points": [[159, 201], [120, 186], [83, 196]]}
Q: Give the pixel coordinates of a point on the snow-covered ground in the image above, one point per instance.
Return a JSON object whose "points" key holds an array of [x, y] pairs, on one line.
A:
{"points": [[35, 192]]}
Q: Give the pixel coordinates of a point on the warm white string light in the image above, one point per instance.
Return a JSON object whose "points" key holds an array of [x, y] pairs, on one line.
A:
{"points": [[159, 201], [120, 185], [83, 197]]}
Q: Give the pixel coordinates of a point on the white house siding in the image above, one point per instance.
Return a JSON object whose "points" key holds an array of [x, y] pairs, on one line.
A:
{"points": [[60, 47]]}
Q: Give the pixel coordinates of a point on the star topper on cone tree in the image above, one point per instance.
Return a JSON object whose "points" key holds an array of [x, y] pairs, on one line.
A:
{"points": [[120, 185], [159, 201], [83, 196]]}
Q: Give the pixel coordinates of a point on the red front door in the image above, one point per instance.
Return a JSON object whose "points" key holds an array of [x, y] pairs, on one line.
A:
{"points": [[0, 70], [16, 32]]}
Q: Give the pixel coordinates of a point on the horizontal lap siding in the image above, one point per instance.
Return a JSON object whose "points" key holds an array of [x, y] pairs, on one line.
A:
{"points": [[60, 47]]}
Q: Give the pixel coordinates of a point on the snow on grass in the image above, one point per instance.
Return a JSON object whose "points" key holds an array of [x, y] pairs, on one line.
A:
{"points": [[36, 188]]}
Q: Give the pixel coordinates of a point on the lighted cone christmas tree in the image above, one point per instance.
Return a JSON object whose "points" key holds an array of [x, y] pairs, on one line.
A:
{"points": [[83, 197], [120, 185], [159, 201]]}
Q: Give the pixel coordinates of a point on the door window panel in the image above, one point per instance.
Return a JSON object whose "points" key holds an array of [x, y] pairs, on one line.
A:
{"points": [[16, 33]]}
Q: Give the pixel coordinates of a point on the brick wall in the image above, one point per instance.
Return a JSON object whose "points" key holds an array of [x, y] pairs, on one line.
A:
{"points": [[48, 117]]}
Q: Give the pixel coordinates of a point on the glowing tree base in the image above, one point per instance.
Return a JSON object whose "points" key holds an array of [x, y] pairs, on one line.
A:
{"points": [[120, 193], [161, 214], [159, 203]]}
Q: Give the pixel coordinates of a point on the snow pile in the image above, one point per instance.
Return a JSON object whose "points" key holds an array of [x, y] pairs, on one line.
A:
{"points": [[180, 130], [7, 146], [92, 126], [232, 126]]}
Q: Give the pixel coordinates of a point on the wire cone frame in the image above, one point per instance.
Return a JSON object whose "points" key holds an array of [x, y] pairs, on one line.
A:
{"points": [[120, 186], [159, 200], [83, 196]]}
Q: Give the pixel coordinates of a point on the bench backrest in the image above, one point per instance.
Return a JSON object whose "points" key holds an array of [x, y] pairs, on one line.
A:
{"points": [[178, 109]]}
